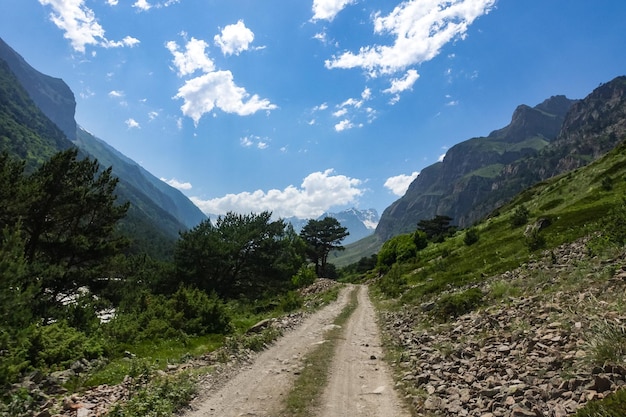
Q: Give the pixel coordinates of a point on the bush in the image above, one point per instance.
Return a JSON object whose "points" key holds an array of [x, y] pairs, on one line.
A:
{"points": [[457, 304], [520, 216], [534, 240], [304, 277], [290, 302], [613, 405], [393, 283], [471, 236]]}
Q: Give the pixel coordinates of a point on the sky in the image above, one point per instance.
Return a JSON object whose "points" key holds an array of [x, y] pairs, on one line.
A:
{"points": [[309, 106]]}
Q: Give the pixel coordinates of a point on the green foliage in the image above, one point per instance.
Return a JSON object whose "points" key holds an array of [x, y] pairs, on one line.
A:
{"points": [[162, 397], [534, 240], [607, 183], [607, 344], [438, 228], [399, 248], [291, 301], [321, 237], [393, 283], [420, 239], [239, 255], [471, 236], [520, 216], [614, 225], [614, 405], [456, 304], [304, 277], [152, 317]]}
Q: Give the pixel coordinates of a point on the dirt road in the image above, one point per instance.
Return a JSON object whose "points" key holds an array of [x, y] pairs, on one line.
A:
{"points": [[360, 382], [359, 385]]}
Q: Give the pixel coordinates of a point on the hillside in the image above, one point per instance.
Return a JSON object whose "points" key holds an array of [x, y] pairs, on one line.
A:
{"points": [[35, 108], [528, 319]]}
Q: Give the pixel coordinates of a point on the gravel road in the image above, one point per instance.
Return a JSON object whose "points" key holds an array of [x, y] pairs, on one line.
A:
{"points": [[359, 385]]}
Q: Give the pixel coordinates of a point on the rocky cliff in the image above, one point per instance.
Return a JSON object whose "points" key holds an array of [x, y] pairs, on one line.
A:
{"points": [[459, 185]]}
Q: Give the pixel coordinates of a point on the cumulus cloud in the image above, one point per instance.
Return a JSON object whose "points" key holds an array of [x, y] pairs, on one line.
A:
{"points": [[218, 89], [81, 26], [132, 124], [194, 57], [116, 94], [142, 5], [234, 39], [345, 124], [400, 183], [183, 186], [328, 9], [213, 89], [318, 192], [399, 85], [420, 28]]}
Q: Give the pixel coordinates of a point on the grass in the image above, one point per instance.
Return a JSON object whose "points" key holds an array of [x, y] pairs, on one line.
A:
{"points": [[309, 386]]}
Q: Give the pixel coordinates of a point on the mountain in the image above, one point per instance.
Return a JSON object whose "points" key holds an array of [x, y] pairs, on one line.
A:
{"points": [[458, 185], [52, 95], [129, 172], [360, 223], [35, 123]]}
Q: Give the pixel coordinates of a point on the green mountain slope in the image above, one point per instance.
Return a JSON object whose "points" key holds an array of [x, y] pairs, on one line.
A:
{"points": [[24, 130], [139, 180]]}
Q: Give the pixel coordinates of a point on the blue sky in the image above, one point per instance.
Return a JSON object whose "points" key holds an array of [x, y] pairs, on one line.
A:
{"points": [[301, 107]]}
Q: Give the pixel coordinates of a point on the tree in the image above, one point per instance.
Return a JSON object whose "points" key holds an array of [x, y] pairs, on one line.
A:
{"points": [[70, 220], [321, 237], [66, 213], [437, 228], [240, 254]]}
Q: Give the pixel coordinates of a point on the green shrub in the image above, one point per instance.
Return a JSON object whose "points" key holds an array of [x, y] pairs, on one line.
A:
{"points": [[534, 240], [304, 277], [290, 302], [520, 216], [457, 304], [397, 249], [58, 345], [471, 236], [393, 283], [614, 405]]}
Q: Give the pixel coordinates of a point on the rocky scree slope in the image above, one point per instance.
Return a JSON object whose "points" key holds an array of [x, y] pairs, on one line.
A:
{"points": [[522, 355]]}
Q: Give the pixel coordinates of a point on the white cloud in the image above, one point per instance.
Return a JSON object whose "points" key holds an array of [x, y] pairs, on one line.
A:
{"points": [[194, 58], [341, 112], [153, 115], [318, 192], [440, 159], [234, 39], [81, 26], [132, 124], [328, 9], [142, 5], [116, 94], [420, 29], [399, 85], [127, 41], [344, 125], [321, 107], [112, 2], [400, 183], [177, 184], [217, 89], [251, 140]]}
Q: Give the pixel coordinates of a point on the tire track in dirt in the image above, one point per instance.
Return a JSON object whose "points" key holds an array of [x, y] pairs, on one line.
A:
{"points": [[259, 389], [360, 382]]}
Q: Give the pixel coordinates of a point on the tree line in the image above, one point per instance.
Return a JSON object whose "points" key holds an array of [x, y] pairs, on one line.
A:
{"points": [[64, 256]]}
